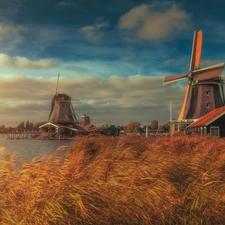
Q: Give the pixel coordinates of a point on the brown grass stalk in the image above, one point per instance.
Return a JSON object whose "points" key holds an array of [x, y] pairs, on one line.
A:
{"points": [[122, 180]]}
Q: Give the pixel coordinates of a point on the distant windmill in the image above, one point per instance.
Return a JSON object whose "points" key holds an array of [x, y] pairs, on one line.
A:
{"points": [[204, 90], [61, 108]]}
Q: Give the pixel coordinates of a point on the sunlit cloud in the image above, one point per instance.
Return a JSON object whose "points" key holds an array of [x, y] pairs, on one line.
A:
{"points": [[148, 22], [112, 100], [24, 63], [93, 32]]}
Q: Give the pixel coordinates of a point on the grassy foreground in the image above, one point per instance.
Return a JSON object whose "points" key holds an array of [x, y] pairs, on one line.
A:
{"points": [[119, 181]]}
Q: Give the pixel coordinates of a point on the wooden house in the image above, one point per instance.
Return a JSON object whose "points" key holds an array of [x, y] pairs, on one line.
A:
{"points": [[104, 130], [89, 126], [95, 130], [61, 129], [111, 131], [213, 123]]}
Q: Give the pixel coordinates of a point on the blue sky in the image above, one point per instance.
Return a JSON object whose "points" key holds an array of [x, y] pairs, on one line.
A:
{"points": [[112, 56]]}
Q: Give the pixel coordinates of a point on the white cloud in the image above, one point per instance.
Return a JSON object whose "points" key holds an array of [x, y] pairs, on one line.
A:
{"points": [[24, 63], [93, 32], [107, 101], [149, 23]]}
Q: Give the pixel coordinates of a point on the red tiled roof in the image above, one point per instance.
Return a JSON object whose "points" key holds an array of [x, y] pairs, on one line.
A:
{"points": [[97, 128], [209, 117], [89, 126]]}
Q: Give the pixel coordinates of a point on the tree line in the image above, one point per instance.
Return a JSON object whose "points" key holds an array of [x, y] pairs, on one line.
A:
{"points": [[31, 127], [136, 126], [21, 127]]}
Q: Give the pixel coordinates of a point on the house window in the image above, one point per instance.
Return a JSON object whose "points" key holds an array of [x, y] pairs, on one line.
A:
{"points": [[215, 131], [207, 93], [207, 105]]}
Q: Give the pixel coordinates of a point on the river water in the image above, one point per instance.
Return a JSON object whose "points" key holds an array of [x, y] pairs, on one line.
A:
{"points": [[26, 149]]}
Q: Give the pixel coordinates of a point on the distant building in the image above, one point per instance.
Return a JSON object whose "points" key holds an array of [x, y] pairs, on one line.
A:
{"points": [[84, 120], [111, 131], [96, 130], [62, 119], [62, 129], [103, 130]]}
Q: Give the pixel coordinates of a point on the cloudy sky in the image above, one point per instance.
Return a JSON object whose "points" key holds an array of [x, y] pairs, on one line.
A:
{"points": [[112, 56]]}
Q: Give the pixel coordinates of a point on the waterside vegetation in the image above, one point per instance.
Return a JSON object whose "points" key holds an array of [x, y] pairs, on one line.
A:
{"points": [[118, 180]]}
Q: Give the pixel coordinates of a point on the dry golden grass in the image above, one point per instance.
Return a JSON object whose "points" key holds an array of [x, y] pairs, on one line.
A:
{"points": [[124, 180]]}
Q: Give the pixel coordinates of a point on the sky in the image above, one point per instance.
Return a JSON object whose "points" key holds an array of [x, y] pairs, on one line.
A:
{"points": [[112, 56]]}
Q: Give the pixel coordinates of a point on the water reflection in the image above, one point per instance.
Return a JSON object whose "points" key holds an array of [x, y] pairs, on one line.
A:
{"points": [[26, 149]]}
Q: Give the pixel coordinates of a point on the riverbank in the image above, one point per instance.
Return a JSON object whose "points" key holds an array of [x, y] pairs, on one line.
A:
{"points": [[119, 180], [37, 136]]}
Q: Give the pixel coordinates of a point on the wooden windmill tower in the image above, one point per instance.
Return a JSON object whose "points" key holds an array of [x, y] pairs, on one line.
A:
{"points": [[204, 90], [62, 111]]}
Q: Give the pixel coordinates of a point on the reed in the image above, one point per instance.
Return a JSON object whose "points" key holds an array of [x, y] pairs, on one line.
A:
{"points": [[122, 180]]}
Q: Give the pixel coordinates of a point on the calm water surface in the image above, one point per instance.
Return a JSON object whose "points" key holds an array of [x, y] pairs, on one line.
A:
{"points": [[26, 149]]}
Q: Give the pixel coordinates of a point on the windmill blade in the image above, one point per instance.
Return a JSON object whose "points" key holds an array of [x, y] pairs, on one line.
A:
{"points": [[174, 78], [57, 85], [183, 108], [52, 107], [210, 72], [196, 50]]}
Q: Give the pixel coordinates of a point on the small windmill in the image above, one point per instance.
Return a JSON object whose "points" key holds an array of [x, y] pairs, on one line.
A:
{"points": [[204, 90], [61, 108]]}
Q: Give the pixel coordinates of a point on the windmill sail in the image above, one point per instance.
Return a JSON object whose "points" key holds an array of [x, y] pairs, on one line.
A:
{"points": [[57, 85], [211, 72], [196, 50], [54, 97], [184, 106], [173, 78]]}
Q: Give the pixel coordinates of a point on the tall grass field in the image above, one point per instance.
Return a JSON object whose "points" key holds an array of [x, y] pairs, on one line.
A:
{"points": [[125, 180]]}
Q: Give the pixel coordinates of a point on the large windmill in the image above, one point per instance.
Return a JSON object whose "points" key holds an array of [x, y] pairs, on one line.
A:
{"points": [[204, 90], [61, 108]]}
